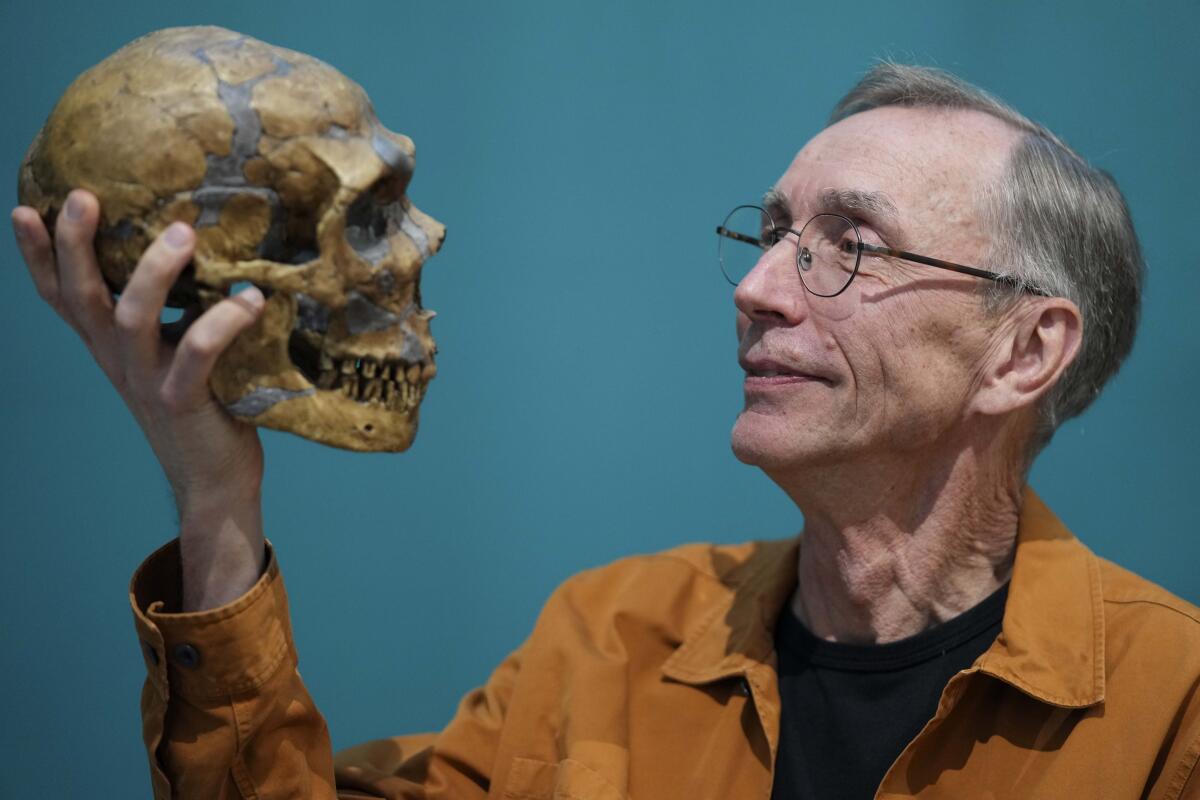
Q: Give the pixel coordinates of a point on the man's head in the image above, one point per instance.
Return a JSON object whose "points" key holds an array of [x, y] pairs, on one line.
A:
{"points": [[911, 358]]}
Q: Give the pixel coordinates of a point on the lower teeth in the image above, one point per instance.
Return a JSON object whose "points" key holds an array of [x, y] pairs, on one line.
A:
{"points": [[396, 395]]}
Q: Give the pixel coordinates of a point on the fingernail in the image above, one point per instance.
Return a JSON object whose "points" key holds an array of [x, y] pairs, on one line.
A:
{"points": [[252, 295], [74, 208], [177, 235]]}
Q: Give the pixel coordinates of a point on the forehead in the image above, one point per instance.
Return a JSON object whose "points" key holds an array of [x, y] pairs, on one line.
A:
{"points": [[925, 160]]}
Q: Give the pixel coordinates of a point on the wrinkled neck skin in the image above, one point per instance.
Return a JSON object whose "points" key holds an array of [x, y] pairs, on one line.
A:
{"points": [[901, 544]]}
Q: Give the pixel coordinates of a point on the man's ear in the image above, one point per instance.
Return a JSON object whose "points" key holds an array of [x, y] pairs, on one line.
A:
{"points": [[1037, 343]]}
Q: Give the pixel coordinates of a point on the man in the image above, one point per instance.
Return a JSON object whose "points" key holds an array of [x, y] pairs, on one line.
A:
{"points": [[932, 286]]}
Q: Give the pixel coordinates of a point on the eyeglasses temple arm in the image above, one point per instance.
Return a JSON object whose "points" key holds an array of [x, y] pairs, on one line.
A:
{"points": [[738, 237], [950, 265]]}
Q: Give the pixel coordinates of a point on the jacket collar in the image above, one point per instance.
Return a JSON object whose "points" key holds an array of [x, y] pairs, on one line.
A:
{"points": [[1051, 645]]}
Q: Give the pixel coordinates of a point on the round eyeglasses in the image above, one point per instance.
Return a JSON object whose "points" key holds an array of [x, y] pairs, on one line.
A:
{"points": [[829, 249]]}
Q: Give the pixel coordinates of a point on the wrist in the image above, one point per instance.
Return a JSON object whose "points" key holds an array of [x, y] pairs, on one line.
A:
{"points": [[222, 551]]}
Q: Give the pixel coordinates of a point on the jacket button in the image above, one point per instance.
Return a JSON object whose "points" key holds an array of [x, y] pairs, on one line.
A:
{"points": [[185, 655], [151, 653]]}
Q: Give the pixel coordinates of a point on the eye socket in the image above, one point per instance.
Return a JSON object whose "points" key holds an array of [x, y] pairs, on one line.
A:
{"points": [[372, 218]]}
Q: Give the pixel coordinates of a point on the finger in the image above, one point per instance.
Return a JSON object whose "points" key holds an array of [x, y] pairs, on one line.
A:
{"points": [[34, 243], [186, 384], [85, 298], [139, 310], [172, 332]]}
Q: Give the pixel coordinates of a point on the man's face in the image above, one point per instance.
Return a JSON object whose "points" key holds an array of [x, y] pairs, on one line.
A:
{"points": [[887, 368]]}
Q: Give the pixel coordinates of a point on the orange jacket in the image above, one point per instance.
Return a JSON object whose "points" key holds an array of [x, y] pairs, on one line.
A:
{"points": [[653, 678]]}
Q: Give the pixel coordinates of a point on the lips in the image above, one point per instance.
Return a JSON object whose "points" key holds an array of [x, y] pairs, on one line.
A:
{"points": [[769, 371]]}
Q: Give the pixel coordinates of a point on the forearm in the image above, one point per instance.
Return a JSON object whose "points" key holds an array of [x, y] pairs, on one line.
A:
{"points": [[221, 550]]}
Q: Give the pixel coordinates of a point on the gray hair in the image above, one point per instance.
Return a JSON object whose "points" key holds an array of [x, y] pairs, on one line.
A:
{"points": [[1058, 223]]}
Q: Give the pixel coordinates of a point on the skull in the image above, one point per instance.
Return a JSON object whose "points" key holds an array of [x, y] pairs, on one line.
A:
{"points": [[292, 184]]}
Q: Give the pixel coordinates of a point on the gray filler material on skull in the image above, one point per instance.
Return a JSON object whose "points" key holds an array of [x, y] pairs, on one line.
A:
{"points": [[226, 176], [362, 315], [260, 400]]}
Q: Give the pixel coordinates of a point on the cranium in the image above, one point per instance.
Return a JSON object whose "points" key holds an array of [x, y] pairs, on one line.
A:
{"points": [[292, 184]]}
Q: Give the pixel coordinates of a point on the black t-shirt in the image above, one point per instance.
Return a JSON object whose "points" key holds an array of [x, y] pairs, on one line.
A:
{"points": [[849, 710]]}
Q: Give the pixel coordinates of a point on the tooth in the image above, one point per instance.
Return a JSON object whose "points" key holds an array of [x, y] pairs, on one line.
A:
{"points": [[386, 372], [326, 362], [347, 367], [429, 371], [414, 373], [350, 387], [373, 389], [327, 379], [368, 368], [393, 401]]}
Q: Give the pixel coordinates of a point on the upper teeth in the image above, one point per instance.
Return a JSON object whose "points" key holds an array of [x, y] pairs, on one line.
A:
{"points": [[397, 385], [768, 373]]}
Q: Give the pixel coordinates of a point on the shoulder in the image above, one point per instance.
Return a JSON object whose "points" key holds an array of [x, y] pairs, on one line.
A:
{"points": [[671, 588], [1143, 615], [699, 564], [1126, 593], [1152, 657]]}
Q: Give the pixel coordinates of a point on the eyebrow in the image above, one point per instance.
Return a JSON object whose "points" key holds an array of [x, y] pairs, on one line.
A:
{"points": [[877, 207], [857, 201]]}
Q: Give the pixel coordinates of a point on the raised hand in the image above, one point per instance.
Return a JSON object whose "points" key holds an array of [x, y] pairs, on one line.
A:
{"points": [[214, 463]]}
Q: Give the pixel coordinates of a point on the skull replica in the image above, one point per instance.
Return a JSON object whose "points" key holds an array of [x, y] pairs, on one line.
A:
{"points": [[291, 183]]}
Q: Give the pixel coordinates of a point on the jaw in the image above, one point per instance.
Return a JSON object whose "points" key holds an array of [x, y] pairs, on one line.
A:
{"points": [[357, 392], [332, 418]]}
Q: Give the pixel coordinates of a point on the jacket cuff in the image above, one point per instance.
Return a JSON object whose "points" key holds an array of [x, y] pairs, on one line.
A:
{"points": [[204, 655]]}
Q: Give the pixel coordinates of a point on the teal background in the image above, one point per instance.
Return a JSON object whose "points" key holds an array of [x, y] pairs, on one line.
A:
{"points": [[580, 155]]}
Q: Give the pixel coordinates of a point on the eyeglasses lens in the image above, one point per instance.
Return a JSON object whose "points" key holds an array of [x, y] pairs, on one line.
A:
{"points": [[746, 233], [826, 251], [828, 254]]}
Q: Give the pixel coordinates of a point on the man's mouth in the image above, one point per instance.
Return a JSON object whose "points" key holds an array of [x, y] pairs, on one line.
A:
{"points": [[770, 378], [769, 372]]}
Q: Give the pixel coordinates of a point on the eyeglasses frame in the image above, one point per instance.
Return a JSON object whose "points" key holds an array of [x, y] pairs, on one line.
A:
{"points": [[863, 247]]}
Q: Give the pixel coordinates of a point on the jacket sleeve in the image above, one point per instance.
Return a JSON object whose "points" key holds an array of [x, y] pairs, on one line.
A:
{"points": [[226, 715], [224, 712]]}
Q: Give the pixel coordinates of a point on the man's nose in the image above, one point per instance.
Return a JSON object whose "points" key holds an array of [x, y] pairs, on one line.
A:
{"points": [[772, 289]]}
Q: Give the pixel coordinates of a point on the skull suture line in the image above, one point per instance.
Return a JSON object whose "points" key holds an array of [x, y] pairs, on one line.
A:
{"points": [[292, 183]]}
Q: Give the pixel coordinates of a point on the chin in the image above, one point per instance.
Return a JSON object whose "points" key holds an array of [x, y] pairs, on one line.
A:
{"points": [[768, 442]]}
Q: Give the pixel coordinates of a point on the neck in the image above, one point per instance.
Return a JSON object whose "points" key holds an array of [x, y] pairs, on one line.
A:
{"points": [[889, 551]]}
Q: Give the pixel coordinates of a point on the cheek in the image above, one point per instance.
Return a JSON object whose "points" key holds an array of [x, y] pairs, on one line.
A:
{"points": [[910, 369]]}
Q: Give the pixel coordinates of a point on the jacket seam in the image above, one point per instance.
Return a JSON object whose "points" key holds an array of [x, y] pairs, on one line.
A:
{"points": [[219, 615], [1185, 771], [241, 775], [1096, 585], [598, 775], [1136, 600]]}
